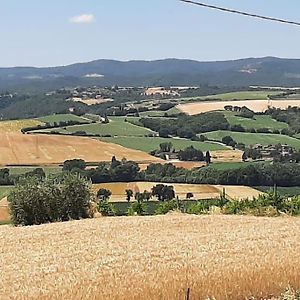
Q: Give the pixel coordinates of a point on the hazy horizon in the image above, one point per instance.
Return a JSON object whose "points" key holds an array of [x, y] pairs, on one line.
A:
{"points": [[144, 60], [58, 33]]}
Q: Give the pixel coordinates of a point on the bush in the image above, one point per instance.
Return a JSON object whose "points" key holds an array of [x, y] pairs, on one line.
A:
{"points": [[106, 209], [166, 207], [69, 165], [34, 202], [137, 209]]}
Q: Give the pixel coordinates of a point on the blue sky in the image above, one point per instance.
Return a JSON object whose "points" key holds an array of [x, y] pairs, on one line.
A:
{"points": [[43, 33]]}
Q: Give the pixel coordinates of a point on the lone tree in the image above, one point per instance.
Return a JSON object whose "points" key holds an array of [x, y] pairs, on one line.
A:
{"points": [[244, 156], [104, 194], [129, 195], [189, 195], [166, 147], [190, 154], [141, 197], [69, 165], [208, 158]]}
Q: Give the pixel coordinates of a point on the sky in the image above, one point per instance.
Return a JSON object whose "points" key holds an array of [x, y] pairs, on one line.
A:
{"points": [[61, 32]]}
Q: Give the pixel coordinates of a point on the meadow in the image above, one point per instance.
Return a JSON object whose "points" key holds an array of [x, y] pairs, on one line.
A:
{"points": [[217, 257], [259, 121], [49, 170], [232, 165], [116, 127], [254, 138], [148, 144], [284, 191], [62, 118]]}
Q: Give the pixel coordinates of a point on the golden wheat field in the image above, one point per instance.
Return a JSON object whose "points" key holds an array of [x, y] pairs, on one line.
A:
{"points": [[26, 149], [255, 105], [200, 191], [226, 257], [17, 125], [4, 211]]}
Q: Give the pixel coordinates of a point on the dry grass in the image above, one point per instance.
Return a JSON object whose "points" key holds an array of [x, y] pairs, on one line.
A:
{"points": [[255, 105], [92, 101], [227, 156], [26, 149], [17, 125], [200, 191], [226, 257]]}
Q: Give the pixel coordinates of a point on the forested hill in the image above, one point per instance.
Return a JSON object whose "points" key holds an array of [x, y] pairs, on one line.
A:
{"points": [[268, 71]]}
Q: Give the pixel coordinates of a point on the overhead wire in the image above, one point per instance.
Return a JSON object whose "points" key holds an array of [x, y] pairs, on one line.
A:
{"points": [[228, 10]]}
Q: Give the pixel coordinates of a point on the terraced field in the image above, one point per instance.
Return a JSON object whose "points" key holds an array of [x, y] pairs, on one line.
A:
{"points": [[217, 257], [255, 138]]}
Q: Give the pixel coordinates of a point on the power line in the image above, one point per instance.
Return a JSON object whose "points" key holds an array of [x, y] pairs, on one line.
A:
{"points": [[240, 12]]}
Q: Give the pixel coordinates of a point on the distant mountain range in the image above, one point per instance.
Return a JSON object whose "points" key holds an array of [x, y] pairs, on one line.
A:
{"points": [[268, 71]]}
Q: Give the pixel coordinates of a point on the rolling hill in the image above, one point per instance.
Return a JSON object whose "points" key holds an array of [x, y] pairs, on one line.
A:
{"points": [[251, 71]]}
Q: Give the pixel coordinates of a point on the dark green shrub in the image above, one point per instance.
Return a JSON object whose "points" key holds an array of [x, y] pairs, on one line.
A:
{"points": [[34, 202]]}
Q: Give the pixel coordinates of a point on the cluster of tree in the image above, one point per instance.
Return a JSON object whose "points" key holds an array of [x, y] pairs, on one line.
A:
{"points": [[115, 171], [258, 174], [6, 178], [188, 154], [243, 111], [291, 116], [187, 126], [276, 154], [229, 141], [34, 201], [161, 191], [37, 105], [191, 154]]}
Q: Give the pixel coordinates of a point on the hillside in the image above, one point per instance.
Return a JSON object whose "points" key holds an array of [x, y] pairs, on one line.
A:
{"points": [[270, 71], [226, 257]]}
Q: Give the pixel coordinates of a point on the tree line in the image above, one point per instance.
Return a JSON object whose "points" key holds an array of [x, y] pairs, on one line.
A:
{"points": [[256, 174]]}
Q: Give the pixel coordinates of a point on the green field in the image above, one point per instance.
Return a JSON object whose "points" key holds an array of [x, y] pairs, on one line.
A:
{"points": [[256, 123], [159, 113], [247, 95], [283, 191], [4, 191], [255, 138], [233, 165], [116, 127], [62, 118], [148, 144], [23, 170]]}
